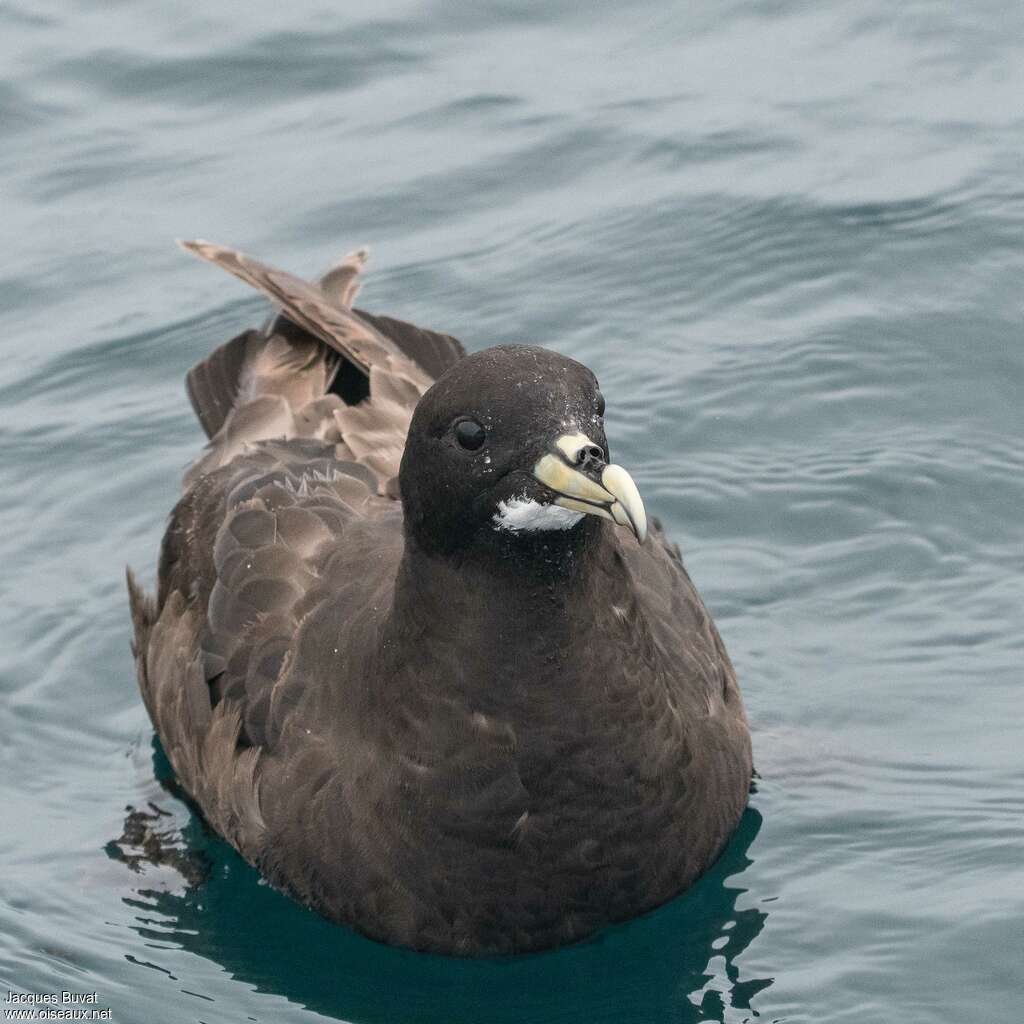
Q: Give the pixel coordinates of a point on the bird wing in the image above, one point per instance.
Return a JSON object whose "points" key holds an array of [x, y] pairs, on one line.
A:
{"points": [[294, 474], [320, 369], [249, 554], [701, 675], [324, 314]]}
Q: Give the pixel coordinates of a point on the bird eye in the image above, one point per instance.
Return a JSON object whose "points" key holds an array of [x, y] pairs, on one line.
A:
{"points": [[470, 434], [600, 404]]}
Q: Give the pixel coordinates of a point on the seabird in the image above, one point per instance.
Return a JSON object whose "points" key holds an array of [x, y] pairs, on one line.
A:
{"points": [[416, 652]]}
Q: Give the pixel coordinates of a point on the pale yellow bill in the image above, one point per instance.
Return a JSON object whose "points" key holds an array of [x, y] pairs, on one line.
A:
{"points": [[616, 496]]}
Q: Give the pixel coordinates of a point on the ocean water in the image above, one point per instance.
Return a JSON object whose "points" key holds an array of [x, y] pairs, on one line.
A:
{"points": [[788, 239]]}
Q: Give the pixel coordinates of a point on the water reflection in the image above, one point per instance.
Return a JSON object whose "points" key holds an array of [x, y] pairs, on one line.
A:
{"points": [[678, 963]]}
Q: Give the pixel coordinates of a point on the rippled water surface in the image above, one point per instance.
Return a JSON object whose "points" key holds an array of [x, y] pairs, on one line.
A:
{"points": [[787, 237]]}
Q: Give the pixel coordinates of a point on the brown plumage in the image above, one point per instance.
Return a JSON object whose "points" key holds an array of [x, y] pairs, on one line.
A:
{"points": [[449, 730]]}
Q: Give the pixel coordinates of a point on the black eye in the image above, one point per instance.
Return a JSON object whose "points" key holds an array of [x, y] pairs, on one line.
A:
{"points": [[600, 404], [470, 434]]}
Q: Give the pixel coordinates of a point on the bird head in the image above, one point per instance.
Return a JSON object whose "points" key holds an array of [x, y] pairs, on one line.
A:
{"points": [[509, 446]]}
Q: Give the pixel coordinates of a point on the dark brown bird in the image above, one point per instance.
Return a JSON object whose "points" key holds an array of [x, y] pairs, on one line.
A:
{"points": [[414, 653]]}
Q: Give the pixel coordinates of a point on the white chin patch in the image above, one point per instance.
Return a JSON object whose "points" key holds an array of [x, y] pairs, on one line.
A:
{"points": [[523, 514]]}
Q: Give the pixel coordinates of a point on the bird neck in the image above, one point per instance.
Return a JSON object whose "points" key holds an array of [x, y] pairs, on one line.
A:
{"points": [[518, 606]]}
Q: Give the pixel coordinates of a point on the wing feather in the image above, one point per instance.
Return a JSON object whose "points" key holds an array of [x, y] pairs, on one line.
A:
{"points": [[306, 305], [212, 384]]}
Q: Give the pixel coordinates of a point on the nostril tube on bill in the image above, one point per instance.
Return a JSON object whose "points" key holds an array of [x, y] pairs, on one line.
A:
{"points": [[589, 453]]}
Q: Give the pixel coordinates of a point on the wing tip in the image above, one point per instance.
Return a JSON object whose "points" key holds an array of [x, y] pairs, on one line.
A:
{"points": [[354, 258], [143, 612], [199, 247]]}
